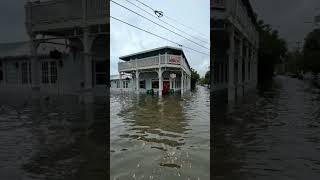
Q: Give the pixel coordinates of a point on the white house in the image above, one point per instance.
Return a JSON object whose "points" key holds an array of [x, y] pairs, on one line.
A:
{"points": [[82, 27], [235, 47], [57, 75], [160, 70]]}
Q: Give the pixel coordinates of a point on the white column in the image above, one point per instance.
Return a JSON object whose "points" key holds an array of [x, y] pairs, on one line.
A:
{"points": [[240, 62], [120, 81], [87, 95], [4, 72], [137, 81], [35, 69], [182, 80], [160, 82], [231, 87]]}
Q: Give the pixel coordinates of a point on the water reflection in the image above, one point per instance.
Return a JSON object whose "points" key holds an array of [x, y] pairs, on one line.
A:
{"points": [[53, 138], [158, 120], [160, 137], [271, 136]]}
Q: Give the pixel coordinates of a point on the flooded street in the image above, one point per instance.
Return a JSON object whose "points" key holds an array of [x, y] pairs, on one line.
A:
{"points": [[275, 135], [56, 139], [160, 138]]}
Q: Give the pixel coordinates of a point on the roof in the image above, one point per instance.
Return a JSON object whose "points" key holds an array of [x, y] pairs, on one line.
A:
{"points": [[114, 77], [251, 13], [154, 52], [22, 49]]}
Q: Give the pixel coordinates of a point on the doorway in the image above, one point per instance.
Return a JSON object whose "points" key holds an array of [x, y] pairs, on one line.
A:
{"points": [[166, 87]]}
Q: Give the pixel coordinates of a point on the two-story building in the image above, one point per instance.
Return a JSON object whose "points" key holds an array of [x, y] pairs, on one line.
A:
{"points": [[235, 47], [82, 27], [160, 70]]}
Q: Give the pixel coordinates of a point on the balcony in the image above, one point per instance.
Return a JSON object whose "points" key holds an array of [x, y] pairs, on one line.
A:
{"points": [[153, 62], [59, 14]]}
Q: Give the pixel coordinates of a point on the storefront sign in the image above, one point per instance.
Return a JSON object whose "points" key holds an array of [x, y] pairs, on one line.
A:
{"points": [[174, 59]]}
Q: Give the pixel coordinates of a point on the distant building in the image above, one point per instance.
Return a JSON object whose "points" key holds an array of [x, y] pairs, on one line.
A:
{"points": [[235, 47], [161, 70], [78, 27], [60, 76]]}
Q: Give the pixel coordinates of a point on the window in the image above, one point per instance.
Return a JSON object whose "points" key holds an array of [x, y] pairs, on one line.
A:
{"points": [[101, 73], [125, 84], [25, 73], [53, 72], [155, 84], [142, 84], [118, 84], [49, 72], [45, 73]]}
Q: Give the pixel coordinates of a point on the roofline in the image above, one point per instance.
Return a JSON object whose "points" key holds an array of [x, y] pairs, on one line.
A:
{"points": [[149, 50], [155, 49]]}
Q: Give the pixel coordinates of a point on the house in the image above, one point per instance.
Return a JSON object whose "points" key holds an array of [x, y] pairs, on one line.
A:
{"points": [[80, 28], [160, 70], [59, 74], [235, 48]]}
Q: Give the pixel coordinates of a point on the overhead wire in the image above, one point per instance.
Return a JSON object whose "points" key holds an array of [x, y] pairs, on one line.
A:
{"points": [[180, 45], [158, 24]]}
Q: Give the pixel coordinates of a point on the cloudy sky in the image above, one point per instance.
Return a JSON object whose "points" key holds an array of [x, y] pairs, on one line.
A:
{"points": [[125, 39], [288, 16]]}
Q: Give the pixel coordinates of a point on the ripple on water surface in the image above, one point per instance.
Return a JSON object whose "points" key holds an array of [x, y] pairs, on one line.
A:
{"points": [[160, 138]]}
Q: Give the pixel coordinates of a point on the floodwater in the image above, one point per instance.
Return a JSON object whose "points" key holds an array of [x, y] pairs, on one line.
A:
{"points": [[53, 138], [274, 135], [160, 138]]}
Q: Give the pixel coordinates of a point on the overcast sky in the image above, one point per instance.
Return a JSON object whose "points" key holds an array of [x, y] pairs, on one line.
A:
{"points": [[288, 16], [126, 40]]}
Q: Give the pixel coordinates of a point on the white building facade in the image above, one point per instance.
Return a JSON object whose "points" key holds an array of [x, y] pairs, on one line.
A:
{"points": [[159, 70], [235, 47], [82, 27]]}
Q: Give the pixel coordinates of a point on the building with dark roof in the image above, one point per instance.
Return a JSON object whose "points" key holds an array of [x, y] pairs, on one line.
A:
{"points": [[158, 70]]}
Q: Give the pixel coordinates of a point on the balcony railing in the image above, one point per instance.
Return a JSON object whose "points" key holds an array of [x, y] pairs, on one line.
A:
{"points": [[60, 11], [153, 61]]}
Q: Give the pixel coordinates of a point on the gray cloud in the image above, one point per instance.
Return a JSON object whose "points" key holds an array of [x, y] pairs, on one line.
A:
{"points": [[289, 16], [12, 21]]}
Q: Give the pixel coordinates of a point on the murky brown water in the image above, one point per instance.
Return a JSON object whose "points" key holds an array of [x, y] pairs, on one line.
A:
{"points": [[52, 139], [160, 138], [275, 135]]}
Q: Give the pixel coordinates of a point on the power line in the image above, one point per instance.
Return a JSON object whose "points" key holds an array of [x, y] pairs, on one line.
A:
{"points": [[158, 36], [166, 22], [171, 18], [158, 24]]}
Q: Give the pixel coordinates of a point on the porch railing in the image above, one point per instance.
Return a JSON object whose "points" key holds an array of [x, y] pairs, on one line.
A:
{"points": [[149, 62], [59, 11]]}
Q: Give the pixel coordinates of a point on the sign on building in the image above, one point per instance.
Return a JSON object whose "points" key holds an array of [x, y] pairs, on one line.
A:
{"points": [[174, 59]]}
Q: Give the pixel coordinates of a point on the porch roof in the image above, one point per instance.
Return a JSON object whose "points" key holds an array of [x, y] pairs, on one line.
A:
{"points": [[18, 50], [154, 52]]}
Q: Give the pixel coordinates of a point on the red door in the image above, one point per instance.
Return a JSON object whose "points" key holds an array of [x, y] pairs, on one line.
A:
{"points": [[166, 87]]}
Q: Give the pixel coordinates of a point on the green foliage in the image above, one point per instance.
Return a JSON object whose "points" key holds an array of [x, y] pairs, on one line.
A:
{"points": [[205, 79], [311, 52], [272, 49], [195, 77]]}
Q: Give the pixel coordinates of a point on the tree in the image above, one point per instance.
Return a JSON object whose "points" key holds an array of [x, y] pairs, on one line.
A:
{"points": [[194, 78], [272, 49], [311, 52]]}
